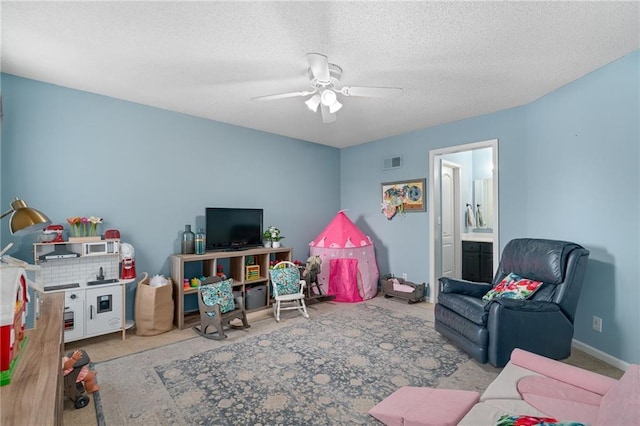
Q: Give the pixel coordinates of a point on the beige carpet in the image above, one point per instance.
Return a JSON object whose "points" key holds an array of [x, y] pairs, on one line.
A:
{"points": [[469, 375]]}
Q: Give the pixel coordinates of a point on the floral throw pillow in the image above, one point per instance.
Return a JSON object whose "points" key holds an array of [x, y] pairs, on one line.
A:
{"points": [[220, 293], [508, 420], [287, 280], [513, 286]]}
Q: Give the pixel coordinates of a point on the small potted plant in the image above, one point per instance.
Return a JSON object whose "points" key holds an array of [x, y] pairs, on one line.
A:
{"points": [[266, 239], [272, 237]]}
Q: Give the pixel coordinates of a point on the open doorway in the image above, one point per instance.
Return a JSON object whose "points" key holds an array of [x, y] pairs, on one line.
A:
{"points": [[477, 188]]}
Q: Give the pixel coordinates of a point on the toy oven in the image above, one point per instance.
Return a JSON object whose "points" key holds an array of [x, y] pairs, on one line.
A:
{"points": [[73, 314]]}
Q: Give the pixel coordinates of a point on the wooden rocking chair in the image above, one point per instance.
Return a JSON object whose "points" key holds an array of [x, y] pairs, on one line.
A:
{"points": [[218, 308]]}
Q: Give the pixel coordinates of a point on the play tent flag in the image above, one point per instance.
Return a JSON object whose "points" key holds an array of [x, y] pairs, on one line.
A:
{"points": [[349, 269]]}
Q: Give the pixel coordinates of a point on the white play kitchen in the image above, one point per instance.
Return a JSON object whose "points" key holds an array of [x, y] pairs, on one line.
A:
{"points": [[87, 271]]}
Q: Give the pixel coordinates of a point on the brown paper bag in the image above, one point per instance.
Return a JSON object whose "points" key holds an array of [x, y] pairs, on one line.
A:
{"points": [[153, 308]]}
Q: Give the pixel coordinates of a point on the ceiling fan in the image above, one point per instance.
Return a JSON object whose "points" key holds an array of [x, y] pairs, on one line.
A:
{"points": [[324, 77]]}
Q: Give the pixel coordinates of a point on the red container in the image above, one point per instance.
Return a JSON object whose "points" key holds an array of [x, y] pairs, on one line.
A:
{"points": [[128, 269], [112, 234]]}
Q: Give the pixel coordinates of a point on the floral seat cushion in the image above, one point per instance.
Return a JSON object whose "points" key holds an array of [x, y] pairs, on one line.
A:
{"points": [[287, 280], [220, 293]]}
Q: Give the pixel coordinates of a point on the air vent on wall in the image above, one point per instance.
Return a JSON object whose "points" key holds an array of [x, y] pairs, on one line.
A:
{"points": [[392, 163]]}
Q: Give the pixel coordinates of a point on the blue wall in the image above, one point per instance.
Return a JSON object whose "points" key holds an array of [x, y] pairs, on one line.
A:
{"points": [[402, 244], [568, 168], [586, 136], [148, 171]]}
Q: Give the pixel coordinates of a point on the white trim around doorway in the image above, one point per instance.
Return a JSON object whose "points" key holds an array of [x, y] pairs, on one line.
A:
{"points": [[435, 205]]}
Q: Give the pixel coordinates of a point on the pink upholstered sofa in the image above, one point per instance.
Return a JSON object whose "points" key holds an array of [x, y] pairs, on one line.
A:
{"points": [[537, 386], [529, 385]]}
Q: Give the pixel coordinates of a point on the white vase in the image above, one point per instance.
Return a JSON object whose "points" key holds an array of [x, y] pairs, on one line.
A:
{"points": [[267, 244], [275, 244]]}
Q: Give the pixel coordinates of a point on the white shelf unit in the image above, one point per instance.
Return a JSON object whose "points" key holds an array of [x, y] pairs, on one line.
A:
{"points": [[235, 267]]}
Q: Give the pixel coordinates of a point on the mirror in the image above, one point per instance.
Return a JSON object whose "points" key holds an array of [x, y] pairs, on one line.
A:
{"points": [[483, 205]]}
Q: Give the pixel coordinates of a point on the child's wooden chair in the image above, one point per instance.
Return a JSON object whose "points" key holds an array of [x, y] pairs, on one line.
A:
{"points": [[218, 307], [288, 289]]}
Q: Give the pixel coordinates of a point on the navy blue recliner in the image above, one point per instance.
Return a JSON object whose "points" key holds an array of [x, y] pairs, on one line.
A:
{"points": [[543, 324]]}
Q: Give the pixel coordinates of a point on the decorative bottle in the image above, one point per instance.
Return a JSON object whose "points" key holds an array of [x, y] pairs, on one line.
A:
{"points": [[201, 239], [188, 241]]}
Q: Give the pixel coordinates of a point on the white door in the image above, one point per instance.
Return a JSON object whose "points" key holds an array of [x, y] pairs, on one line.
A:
{"points": [[450, 255]]}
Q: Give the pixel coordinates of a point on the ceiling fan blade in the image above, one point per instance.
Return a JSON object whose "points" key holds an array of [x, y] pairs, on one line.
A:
{"points": [[327, 116], [372, 92], [283, 95], [319, 65]]}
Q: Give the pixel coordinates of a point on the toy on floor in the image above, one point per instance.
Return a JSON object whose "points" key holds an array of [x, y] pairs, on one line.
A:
{"points": [[78, 377], [310, 274], [398, 287]]}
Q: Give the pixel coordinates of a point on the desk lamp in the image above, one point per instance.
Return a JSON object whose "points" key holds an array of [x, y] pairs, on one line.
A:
{"points": [[25, 220]]}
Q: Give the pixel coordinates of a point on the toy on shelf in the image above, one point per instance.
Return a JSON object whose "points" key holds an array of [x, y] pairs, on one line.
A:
{"points": [[252, 272], [220, 273], [52, 234]]}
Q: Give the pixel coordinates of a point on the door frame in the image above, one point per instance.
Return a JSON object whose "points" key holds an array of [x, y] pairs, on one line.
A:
{"points": [[435, 243]]}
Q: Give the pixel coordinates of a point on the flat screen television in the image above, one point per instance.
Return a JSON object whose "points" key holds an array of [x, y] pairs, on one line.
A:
{"points": [[233, 228]]}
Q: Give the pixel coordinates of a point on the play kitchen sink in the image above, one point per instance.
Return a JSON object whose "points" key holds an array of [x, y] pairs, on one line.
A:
{"points": [[101, 280]]}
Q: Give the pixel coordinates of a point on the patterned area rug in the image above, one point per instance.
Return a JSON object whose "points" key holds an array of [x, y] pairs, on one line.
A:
{"points": [[97, 402], [330, 369]]}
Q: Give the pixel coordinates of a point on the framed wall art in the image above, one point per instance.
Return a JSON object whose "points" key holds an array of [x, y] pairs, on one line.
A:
{"points": [[404, 196]]}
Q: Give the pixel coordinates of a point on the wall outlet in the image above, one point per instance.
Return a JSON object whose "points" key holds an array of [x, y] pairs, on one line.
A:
{"points": [[597, 324], [404, 276]]}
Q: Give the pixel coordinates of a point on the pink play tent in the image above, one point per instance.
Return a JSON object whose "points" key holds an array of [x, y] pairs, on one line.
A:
{"points": [[349, 269]]}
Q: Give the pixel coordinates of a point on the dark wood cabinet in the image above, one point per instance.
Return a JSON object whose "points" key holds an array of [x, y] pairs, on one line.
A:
{"points": [[477, 261]]}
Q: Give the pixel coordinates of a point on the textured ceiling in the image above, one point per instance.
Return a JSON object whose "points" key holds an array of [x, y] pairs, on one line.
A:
{"points": [[454, 60]]}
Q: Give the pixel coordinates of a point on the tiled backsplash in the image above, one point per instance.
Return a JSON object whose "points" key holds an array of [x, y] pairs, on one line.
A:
{"points": [[78, 269]]}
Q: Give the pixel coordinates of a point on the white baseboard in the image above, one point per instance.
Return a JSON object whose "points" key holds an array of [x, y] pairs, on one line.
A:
{"points": [[602, 356]]}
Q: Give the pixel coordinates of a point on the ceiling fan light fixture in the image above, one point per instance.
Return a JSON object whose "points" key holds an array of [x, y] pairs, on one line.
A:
{"points": [[324, 78], [328, 98], [313, 102]]}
